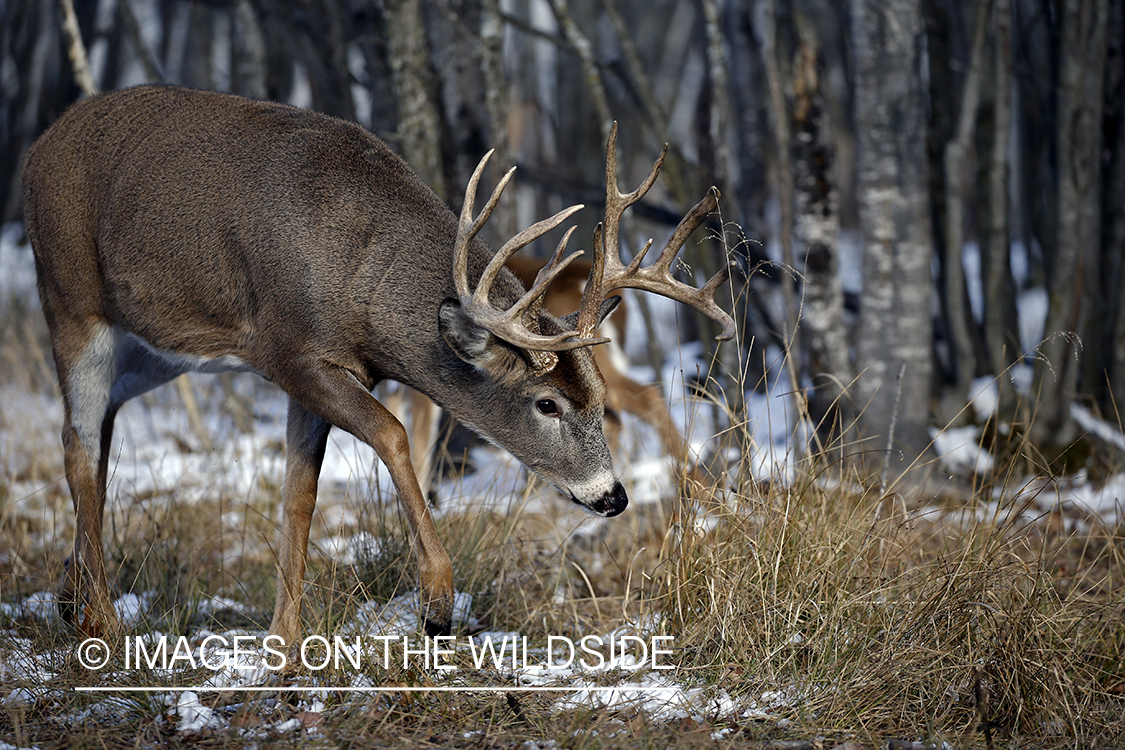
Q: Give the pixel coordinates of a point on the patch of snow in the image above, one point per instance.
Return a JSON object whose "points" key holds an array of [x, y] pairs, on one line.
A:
{"points": [[1019, 258], [1032, 305], [7, 746], [496, 485], [984, 396], [41, 605], [1098, 427], [131, 607], [349, 549], [213, 604], [971, 262], [400, 615], [194, 717], [290, 725], [18, 262], [1107, 501], [960, 450]]}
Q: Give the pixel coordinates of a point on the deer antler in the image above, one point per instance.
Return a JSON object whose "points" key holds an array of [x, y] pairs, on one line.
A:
{"points": [[609, 273], [519, 324]]}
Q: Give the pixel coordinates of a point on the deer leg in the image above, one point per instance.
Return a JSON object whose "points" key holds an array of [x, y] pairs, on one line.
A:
{"points": [[87, 382], [305, 442], [108, 371], [340, 399], [424, 419], [647, 403]]}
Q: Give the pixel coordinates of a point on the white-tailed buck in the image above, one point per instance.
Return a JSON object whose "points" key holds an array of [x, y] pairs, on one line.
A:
{"points": [[178, 230]]}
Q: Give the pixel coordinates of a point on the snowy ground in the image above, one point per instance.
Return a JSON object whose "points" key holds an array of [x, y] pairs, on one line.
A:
{"points": [[204, 663]]}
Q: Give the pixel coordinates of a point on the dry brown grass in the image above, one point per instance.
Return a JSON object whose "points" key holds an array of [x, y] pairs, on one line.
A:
{"points": [[870, 616]]}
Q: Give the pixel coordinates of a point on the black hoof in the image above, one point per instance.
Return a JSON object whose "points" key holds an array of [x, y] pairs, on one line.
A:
{"points": [[434, 629]]}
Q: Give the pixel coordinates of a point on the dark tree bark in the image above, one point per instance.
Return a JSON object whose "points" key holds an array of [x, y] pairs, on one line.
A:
{"points": [[419, 124], [196, 69], [782, 168], [957, 166], [1000, 319], [1113, 198], [40, 85], [1074, 268], [248, 52]]}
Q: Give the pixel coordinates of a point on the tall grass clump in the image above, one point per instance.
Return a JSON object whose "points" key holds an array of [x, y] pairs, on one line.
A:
{"points": [[892, 616]]}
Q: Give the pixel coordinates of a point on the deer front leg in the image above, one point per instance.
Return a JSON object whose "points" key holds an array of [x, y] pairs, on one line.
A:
{"points": [[340, 399], [305, 440]]}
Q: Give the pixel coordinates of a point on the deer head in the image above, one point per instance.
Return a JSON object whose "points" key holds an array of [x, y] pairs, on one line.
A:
{"points": [[539, 367]]}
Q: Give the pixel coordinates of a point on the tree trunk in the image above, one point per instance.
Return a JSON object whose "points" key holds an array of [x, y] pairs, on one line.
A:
{"points": [[1001, 328], [782, 170], [1082, 64], [1113, 197], [817, 230], [419, 123], [248, 53], [894, 337], [957, 166]]}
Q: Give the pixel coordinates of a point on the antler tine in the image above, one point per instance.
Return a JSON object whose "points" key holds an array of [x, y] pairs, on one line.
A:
{"points": [[468, 227], [543, 279], [532, 302], [511, 324], [517, 243], [615, 201], [691, 221]]}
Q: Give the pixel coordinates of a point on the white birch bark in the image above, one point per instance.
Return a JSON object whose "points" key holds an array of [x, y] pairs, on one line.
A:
{"points": [[817, 231]]}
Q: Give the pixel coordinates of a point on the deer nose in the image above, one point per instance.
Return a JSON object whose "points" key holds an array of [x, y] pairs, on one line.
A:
{"points": [[612, 502]]}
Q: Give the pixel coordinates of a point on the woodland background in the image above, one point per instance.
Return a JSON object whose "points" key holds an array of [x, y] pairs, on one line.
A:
{"points": [[920, 193]]}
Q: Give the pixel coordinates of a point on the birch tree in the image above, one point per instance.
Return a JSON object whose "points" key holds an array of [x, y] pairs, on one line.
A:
{"points": [[894, 337], [817, 231]]}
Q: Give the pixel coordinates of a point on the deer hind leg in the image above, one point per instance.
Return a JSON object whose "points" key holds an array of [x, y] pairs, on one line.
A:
{"points": [[87, 380], [110, 368], [305, 442], [341, 400]]}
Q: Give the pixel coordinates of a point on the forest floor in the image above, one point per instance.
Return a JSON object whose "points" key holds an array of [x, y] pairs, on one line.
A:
{"points": [[803, 608]]}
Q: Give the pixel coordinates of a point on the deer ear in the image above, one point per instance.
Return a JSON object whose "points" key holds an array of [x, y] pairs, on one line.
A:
{"points": [[609, 304], [475, 345]]}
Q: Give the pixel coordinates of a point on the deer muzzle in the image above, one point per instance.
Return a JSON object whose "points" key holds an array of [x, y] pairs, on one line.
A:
{"points": [[608, 504]]}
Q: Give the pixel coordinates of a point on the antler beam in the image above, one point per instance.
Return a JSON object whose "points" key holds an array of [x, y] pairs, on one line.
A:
{"points": [[519, 324]]}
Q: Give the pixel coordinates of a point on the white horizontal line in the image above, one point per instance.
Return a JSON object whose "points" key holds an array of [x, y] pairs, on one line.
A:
{"points": [[295, 689]]}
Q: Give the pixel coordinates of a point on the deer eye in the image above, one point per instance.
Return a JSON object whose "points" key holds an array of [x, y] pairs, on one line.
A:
{"points": [[547, 407]]}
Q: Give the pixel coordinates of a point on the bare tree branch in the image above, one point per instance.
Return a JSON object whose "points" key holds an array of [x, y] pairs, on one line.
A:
{"points": [[79, 62]]}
